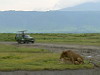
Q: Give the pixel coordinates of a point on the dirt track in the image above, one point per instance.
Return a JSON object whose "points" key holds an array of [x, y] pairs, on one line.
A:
{"points": [[57, 47], [60, 47]]}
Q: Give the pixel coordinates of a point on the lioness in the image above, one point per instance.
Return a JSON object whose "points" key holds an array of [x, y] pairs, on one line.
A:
{"points": [[74, 57]]}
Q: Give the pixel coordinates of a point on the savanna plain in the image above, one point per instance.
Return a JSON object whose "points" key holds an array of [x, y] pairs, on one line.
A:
{"points": [[22, 57]]}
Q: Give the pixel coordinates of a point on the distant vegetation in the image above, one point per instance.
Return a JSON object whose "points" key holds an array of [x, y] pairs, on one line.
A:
{"points": [[59, 38]]}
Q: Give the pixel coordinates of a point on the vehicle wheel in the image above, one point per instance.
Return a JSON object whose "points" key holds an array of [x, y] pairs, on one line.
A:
{"points": [[19, 42], [27, 42], [24, 42], [32, 41]]}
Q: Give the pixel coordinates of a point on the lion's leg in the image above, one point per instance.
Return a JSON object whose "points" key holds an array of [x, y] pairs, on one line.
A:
{"points": [[72, 59], [76, 63], [67, 60]]}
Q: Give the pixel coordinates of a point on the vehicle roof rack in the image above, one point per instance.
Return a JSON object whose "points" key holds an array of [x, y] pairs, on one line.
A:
{"points": [[22, 31]]}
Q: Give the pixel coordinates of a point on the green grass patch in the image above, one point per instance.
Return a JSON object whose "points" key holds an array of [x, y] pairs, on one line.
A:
{"points": [[35, 61], [27, 58]]}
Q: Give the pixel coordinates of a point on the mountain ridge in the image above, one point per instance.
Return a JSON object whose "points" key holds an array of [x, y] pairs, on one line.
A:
{"points": [[50, 22], [90, 6]]}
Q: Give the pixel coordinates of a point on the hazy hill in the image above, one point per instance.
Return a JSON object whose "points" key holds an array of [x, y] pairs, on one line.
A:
{"points": [[84, 7], [50, 22]]}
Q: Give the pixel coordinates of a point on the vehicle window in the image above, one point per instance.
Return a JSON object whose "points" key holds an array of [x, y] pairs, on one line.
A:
{"points": [[27, 36]]}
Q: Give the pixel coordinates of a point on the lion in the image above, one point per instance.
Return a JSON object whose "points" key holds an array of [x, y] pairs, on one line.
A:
{"points": [[74, 57]]}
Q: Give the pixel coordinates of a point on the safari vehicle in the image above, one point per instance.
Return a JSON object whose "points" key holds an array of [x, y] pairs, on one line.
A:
{"points": [[22, 37]]}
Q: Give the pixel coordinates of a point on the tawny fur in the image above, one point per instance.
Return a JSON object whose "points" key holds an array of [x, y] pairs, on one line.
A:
{"points": [[74, 57]]}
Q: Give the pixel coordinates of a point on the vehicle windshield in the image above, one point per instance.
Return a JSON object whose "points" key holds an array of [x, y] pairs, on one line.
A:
{"points": [[27, 36]]}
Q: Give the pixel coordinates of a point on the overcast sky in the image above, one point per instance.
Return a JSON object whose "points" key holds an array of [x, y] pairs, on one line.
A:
{"points": [[39, 5]]}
